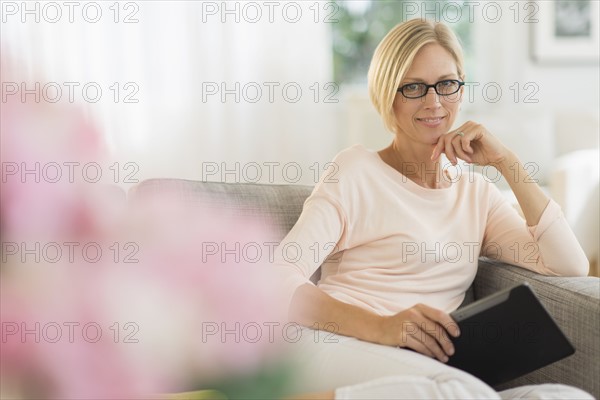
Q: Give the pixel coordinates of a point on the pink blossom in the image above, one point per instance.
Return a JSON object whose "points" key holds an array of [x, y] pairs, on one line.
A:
{"points": [[151, 295]]}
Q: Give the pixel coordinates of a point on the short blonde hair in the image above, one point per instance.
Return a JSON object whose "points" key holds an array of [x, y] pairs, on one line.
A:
{"points": [[394, 56]]}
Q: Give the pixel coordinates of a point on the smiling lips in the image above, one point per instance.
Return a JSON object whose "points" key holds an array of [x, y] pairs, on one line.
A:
{"points": [[431, 122]]}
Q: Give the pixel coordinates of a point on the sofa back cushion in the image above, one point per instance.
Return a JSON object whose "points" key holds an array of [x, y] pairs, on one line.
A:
{"points": [[276, 205]]}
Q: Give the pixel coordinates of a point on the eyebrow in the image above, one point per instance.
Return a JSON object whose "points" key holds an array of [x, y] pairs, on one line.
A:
{"points": [[422, 80]]}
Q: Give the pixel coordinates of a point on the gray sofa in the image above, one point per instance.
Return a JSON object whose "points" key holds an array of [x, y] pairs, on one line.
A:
{"points": [[573, 302]]}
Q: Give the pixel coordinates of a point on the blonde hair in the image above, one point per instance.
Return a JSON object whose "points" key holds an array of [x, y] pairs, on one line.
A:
{"points": [[394, 56]]}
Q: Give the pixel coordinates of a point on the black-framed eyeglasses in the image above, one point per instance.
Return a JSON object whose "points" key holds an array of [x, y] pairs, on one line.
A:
{"points": [[442, 88]]}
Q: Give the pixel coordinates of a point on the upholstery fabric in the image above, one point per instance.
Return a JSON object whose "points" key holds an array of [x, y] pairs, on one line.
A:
{"points": [[279, 204]]}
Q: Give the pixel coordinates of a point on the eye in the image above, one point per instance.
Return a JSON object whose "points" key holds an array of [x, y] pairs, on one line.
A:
{"points": [[448, 83], [412, 87]]}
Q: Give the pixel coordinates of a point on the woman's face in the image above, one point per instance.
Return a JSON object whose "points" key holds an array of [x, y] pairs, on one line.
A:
{"points": [[427, 118]]}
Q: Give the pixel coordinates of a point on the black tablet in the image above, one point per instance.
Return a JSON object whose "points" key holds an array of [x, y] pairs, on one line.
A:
{"points": [[507, 335]]}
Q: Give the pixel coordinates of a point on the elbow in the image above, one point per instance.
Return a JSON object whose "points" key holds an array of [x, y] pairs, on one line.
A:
{"points": [[576, 267], [573, 263], [301, 307], [582, 268]]}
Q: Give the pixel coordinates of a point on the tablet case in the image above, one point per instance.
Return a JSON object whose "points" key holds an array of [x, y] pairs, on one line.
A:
{"points": [[507, 335]]}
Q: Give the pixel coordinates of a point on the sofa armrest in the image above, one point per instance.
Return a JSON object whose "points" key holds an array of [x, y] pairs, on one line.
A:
{"points": [[574, 303]]}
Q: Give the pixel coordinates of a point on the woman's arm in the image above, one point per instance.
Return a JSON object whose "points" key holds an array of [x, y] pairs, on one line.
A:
{"points": [[530, 196], [322, 221], [421, 328], [544, 242], [474, 144], [314, 308]]}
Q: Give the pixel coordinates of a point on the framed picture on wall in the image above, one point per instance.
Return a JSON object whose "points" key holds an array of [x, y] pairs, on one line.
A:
{"points": [[566, 31]]}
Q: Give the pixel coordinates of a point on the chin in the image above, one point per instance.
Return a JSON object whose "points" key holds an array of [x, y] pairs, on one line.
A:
{"points": [[436, 134]]}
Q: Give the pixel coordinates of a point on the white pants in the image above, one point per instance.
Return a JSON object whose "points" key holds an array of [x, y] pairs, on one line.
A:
{"points": [[363, 370]]}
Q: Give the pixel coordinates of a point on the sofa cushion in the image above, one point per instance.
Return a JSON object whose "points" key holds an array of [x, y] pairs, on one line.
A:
{"points": [[277, 205]]}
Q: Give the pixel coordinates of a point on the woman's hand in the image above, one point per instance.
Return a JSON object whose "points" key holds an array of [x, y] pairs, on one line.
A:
{"points": [[421, 328], [473, 143]]}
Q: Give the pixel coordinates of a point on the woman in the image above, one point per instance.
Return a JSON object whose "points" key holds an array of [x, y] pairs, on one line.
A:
{"points": [[400, 238]]}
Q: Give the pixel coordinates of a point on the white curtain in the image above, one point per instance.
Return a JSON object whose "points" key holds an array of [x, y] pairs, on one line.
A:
{"points": [[166, 56]]}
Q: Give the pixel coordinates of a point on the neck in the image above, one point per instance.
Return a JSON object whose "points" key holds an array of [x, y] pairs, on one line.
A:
{"points": [[413, 160]]}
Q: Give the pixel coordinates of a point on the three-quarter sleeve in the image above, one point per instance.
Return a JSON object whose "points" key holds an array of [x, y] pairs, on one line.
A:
{"points": [[548, 248], [315, 235]]}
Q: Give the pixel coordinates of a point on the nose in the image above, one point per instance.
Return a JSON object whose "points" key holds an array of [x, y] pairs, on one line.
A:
{"points": [[431, 99]]}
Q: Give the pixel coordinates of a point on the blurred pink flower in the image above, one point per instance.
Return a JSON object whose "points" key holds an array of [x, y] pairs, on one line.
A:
{"points": [[196, 249], [43, 149], [134, 322]]}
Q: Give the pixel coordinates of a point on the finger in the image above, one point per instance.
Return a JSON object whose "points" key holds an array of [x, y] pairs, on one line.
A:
{"points": [[414, 343], [431, 342], [437, 150], [465, 137], [417, 345], [457, 146], [465, 143], [449, 150], [452, 328], [437, 338], [447, 343], [441, 318], [428, 332]]}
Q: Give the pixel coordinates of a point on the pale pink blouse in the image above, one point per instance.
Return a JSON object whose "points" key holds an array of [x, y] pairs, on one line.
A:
{"points": [[387, 243]]}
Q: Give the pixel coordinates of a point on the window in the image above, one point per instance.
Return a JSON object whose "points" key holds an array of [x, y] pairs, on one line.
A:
{"points": [[363, 23]]}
